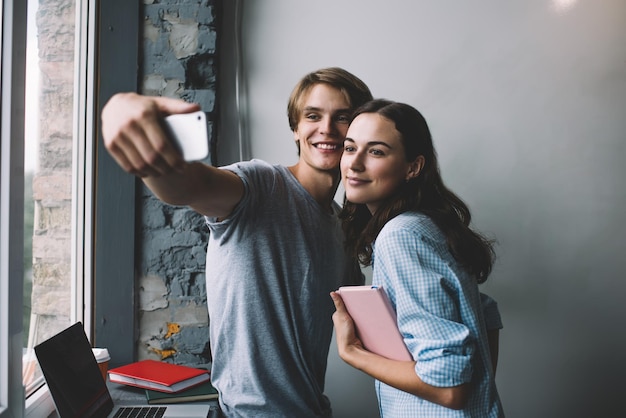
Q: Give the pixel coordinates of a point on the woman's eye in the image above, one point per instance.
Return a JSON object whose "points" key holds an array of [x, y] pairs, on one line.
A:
{"points": [[348, 148], [377, 152]]}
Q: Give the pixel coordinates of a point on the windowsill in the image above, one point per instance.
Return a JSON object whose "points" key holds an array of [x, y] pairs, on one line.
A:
{"points": [[39, 404]]}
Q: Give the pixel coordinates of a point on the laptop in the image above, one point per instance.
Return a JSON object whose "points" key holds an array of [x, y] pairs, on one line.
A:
{"points": [[77, 387]]}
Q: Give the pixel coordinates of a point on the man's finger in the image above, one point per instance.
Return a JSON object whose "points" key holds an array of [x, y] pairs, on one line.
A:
{"points": [[169, 106]]}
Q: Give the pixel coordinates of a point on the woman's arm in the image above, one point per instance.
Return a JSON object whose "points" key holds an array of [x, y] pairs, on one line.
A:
{"points": [[399, 374]]}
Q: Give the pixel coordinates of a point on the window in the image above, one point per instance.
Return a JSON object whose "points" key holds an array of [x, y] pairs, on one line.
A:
{"points": [[56, 166], [48, 169], [49, 181]]}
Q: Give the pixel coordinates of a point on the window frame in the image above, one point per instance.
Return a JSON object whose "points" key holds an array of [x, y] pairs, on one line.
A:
{"points": [[12, 81], [117, 70]]}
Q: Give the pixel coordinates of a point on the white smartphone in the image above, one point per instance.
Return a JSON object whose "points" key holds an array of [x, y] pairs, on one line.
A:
{"points": [[189, 132]]}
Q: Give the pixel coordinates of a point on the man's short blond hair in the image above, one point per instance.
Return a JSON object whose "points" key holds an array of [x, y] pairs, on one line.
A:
{"points": [[354, 90]]}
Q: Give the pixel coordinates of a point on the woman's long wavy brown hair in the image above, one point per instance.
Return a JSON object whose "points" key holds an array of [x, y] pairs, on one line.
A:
{"points": [[425, 193]]}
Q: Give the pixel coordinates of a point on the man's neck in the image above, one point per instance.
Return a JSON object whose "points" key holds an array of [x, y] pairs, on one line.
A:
{"points": [[322, 185]]}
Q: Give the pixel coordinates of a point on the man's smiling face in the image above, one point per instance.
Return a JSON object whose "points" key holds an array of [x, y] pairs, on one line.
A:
{"points": [[322, 127]]}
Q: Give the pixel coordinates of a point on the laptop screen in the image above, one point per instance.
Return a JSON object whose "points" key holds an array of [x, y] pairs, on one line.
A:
{"points": [[72, 374]]}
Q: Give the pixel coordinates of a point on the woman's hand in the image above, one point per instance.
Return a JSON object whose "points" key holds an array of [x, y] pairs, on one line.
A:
{"points": [[344, 328]]}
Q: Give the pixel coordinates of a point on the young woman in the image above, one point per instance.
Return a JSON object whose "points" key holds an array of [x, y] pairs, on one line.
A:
{"points": [[400, 218]]}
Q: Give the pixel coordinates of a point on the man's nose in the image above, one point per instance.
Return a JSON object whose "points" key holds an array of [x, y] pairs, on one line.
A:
{"points": [[328, 126]]}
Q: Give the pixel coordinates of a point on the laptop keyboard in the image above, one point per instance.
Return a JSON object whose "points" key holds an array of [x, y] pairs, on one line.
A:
{"points": [[140, 412]]}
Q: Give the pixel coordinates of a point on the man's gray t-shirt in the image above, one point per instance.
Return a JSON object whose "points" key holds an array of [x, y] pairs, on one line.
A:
{"points": [[269, 271]]}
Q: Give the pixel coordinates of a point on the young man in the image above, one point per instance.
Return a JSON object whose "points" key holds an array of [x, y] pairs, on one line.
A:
{"points": [[275, 249]]}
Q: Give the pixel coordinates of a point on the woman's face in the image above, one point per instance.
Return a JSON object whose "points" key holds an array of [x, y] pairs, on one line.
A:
{"points": [[373, 164]]}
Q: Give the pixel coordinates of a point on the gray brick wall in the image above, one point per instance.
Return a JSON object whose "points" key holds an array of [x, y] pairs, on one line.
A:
{"points": [[178, 60]]}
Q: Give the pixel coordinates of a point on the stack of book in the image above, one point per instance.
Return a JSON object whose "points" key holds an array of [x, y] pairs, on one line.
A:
{"points": [[202, 392], [166, 382]]}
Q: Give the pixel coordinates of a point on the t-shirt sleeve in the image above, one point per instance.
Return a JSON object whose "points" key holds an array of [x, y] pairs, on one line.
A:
{"points": [[427, 307], [252, 175]]}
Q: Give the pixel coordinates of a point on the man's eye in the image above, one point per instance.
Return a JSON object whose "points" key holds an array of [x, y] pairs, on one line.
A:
{"points": [[312, 116], [343, 119]]}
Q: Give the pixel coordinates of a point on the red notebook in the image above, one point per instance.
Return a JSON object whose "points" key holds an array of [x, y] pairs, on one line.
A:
{"points": [[158, 375], [375, 321]]}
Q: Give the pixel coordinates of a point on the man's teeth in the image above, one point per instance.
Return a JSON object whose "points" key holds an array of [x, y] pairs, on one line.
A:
{"points": [[326, 146]]}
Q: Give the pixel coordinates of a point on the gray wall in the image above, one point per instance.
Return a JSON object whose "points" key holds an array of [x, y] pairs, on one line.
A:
{"points": [[527, 104]]}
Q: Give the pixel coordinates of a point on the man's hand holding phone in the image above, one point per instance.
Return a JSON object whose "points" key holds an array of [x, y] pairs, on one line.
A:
{"points": [[136, 136]]}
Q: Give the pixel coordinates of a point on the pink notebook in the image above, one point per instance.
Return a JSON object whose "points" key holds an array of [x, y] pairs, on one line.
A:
{"points": [[375, 321]]}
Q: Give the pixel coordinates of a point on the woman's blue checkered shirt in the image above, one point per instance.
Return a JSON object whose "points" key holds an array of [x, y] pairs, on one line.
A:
{"points": [[441, 317]]}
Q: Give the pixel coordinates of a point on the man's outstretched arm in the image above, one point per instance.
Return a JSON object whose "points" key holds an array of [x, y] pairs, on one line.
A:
{"points": [[132, 129]]}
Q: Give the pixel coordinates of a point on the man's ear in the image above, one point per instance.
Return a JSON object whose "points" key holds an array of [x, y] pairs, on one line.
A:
{"points": [[415, 167], [296, 139]]}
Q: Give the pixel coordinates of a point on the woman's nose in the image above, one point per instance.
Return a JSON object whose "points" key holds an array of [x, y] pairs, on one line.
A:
{"points": [[355, 163]]}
